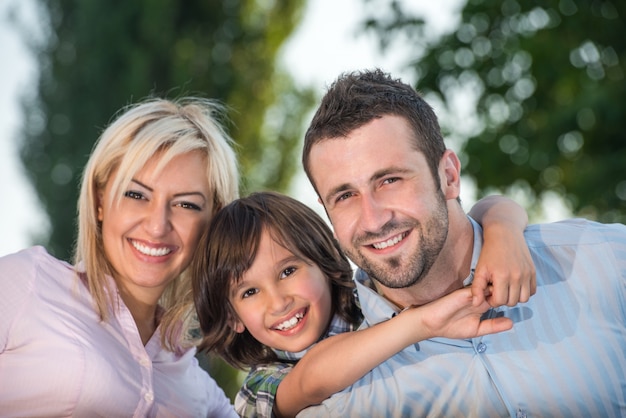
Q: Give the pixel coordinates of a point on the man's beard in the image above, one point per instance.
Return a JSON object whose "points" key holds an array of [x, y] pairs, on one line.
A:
{"points": [[401, 272]]}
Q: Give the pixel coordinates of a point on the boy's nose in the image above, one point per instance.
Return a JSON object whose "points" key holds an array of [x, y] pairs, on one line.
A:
{"points": [[279, 303]]}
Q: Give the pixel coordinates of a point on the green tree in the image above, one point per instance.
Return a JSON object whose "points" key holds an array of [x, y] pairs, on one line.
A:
{"points": [[102, 55], [547, 81]]}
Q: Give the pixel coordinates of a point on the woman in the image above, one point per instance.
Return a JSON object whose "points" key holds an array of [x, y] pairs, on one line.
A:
{"points": [[109, 335]]}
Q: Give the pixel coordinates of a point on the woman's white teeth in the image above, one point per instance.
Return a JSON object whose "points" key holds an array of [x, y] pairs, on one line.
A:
{"points": [[154, 252], [389, 242], [290, 323]]}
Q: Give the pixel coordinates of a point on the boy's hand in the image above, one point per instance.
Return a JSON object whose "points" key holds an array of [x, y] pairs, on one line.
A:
{"points": [[456, 316], [505, 273]]}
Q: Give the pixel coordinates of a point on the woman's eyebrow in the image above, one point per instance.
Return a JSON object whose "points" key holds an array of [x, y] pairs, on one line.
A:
{"points": [[190, 193]]}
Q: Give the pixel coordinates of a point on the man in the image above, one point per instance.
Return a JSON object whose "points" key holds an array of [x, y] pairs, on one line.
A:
{"points": [[375, 156]]}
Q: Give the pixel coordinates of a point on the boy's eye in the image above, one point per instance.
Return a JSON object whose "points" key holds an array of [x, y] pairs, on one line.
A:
{"points": [[287, 272], [248, 293], [133, 194]]}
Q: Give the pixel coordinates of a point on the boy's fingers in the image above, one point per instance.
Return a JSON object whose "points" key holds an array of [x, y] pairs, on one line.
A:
{"points": [[491, 326], [479, 288]]}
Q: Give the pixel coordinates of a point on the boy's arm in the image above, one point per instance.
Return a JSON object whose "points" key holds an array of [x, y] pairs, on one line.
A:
{"points": [[256, 395], [505, 269], [334, 364]]}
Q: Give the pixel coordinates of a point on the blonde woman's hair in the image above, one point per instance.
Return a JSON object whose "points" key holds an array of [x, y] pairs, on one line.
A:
{"points": [[168, 128]]}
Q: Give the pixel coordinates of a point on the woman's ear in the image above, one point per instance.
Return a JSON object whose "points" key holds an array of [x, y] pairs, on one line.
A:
{"points": [[99, 205]]}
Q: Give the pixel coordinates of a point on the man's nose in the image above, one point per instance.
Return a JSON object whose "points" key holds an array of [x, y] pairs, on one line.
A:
{"points": [[373, 214]]}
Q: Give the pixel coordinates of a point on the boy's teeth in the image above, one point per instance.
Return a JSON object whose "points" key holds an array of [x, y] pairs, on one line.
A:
{"points": [[154, 252], [290, 323], [389, 242]]}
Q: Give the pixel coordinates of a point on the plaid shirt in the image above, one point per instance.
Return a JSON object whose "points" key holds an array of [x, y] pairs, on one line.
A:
{"points": [[256, 396]]}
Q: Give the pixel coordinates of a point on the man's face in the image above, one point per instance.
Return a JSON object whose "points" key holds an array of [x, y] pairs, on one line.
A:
{"points": [[388, 214]]}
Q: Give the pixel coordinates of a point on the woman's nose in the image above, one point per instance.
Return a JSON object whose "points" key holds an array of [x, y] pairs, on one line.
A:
{"points": [[158, 222]]}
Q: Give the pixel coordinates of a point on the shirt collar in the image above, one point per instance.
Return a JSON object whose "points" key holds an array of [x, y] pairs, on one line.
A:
{"points": [[478, 245], [374, 306]]}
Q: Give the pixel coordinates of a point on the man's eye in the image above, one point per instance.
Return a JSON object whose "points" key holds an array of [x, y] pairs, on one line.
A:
{"points": [[344, 196], [287, 272], [391, 180], [248, 293], [133, 195]]}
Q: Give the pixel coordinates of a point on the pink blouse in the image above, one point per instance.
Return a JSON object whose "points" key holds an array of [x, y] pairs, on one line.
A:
{"points": [[58, 359]]}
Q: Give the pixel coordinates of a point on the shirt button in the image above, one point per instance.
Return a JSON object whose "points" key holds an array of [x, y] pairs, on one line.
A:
{"points": [[144, 362], [481, 347], [149, 396]]}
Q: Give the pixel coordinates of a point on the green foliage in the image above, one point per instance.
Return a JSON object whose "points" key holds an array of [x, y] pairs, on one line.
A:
{"points": [[548, 83], [228, 378], [102, 55]]}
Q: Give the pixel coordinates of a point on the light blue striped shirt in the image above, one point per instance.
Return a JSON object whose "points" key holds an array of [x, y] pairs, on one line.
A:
{"points": [[564, 357]]}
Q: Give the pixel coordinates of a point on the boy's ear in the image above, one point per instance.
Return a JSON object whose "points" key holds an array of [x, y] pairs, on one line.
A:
{"points": [[237, 325]]}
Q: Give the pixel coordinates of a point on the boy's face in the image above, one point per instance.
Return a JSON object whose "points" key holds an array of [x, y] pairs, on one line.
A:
{"points": [[281, 300]]}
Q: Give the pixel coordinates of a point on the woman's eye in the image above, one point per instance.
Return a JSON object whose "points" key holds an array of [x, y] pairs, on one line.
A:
{"points": [[133, 195], [287, 272], [189, 205]]}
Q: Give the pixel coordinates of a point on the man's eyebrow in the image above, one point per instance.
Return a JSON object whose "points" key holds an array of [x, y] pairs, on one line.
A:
{"points": [[387, 171], [337, 190], [376, 176]]}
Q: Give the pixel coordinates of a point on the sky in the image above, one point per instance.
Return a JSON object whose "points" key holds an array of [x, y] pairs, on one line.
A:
{"points": [[325, 45], [19, 208]]}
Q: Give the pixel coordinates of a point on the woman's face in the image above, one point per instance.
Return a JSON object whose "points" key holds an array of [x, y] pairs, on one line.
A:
{"points": [[150, 233]]}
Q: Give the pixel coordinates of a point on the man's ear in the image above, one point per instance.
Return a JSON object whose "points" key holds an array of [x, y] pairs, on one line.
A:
{"points": [[450, 175], [319, 199]]}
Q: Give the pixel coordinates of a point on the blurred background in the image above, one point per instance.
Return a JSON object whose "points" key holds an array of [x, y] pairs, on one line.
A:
{"points": [[530, 94]]}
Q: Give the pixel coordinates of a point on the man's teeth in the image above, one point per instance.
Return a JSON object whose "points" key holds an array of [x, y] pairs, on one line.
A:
{"points": [[389, 242], [154, 252], [290, 323]]}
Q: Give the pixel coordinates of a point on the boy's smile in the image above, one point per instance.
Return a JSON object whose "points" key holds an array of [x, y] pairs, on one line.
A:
{"points": [[292, 322]]}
